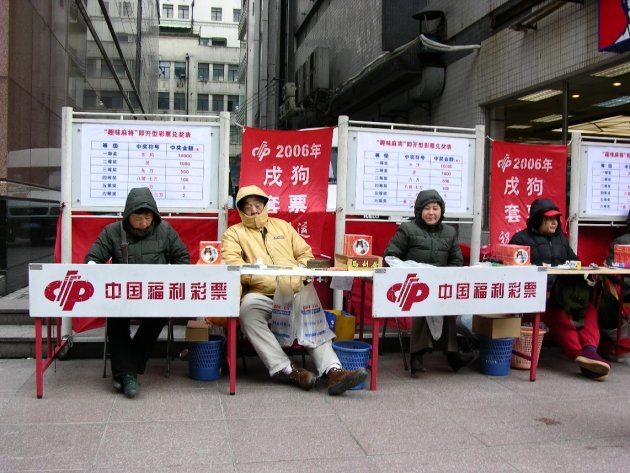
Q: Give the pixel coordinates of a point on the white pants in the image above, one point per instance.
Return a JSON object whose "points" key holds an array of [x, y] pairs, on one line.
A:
{"points": [[255, 315]]}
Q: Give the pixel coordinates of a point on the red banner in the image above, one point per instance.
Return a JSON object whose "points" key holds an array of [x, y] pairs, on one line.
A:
{"points": [[292, 168], [520, 174]]}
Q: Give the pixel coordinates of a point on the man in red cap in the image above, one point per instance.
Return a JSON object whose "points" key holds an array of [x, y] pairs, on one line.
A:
{"points": [[575, 329]]}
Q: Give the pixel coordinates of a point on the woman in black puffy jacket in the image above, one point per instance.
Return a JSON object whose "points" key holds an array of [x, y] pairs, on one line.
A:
{"points": [[549, 246]]}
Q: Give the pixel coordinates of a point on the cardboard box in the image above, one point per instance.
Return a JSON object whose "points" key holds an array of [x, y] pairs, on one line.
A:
{"points": [[512, 254], [497, 326], [357, 245], [197, 331], [622, 254], [209, 252], [358, 262]]}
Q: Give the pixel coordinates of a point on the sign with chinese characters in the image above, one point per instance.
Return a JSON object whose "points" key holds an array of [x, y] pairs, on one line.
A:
{"points": [[133, 290], [520, 174], [421, 292], [393, 167], [179, 163], [607, 181], [292, 168]]}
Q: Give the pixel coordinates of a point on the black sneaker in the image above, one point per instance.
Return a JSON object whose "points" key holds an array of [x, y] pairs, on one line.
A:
{"points": [[131, 385], [457, 360], [117, 384]]}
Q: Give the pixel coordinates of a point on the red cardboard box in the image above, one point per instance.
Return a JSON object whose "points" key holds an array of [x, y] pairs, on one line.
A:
{"points": [[512, 254], [209, 252], [357, 245], [622, 254]]}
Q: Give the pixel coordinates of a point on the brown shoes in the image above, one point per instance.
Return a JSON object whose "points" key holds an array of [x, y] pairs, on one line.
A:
{"points": [[300, 376], [340, 380]]}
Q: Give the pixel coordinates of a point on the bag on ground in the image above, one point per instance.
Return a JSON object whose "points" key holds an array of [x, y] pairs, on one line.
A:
{"points": [[310, 319]]}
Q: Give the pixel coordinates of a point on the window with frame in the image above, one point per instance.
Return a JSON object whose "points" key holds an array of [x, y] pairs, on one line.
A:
{"points": [[202, 103], [216, 14], [105, 72], [167, 11], [164, 70], [125, 9], [203, 71], [218, 72], [219, 41], [233, 102], [91, 68], [235, 136], [217, 103], [204, 41], [236, 15], [163, 98], [183, 12], [179, 101], [232, 72], [180, 70]]}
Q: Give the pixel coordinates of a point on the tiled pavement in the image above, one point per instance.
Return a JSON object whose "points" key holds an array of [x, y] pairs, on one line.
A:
{"points": [[438, 422]]}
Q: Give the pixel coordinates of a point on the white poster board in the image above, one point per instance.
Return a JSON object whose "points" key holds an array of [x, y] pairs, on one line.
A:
{"points": [[422, 291], [605, 181], [387, 170], [177, 161]]}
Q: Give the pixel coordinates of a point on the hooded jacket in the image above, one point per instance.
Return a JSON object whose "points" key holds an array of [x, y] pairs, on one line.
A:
{"points": [[161, 245], [260, 237], [431, 244], [549, 249]]}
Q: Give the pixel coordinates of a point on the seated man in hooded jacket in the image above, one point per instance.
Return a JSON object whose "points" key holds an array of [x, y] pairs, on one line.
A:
{"points": [[275, 242]]}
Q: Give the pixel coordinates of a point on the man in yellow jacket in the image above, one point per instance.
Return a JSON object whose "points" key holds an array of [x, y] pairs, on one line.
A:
{"points": [[273, 241]]}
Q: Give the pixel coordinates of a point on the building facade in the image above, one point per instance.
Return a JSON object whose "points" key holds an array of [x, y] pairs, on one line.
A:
{"points": [[55, 54], [199, 58]]}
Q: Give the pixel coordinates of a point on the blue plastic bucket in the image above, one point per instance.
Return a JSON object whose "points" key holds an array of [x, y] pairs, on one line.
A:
{"points": [[204, 359], [353, 354], [495, 355]]}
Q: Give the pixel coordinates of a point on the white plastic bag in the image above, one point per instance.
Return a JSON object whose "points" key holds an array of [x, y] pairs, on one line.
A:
{"points": [[282, 325], [310, 319]]}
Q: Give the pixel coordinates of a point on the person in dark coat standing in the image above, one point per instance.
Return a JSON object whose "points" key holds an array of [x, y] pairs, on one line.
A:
{"points": [[142, 237], [550, 247], [427, 240]]}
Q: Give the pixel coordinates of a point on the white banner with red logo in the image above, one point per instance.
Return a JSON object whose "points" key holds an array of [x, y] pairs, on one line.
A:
{"points": [[422, 291], [292, 167], [134, 290], [520, 174]]}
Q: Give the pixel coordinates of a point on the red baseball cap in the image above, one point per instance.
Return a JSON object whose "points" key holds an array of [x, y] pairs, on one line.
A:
{"points": [[551, 213]]}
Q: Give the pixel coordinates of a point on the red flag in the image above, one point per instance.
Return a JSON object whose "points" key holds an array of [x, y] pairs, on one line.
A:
{"points": [[520, 174]]}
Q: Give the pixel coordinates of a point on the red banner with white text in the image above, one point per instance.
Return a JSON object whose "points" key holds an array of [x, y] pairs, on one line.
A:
{"points": [[292, 168], [520, 174]]}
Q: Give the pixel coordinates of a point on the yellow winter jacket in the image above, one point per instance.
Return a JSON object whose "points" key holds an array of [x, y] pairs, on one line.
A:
{"points": [[261, 237]]}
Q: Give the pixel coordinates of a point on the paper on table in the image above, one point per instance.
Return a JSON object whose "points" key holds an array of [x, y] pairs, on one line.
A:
{"points": [[341, 284]]}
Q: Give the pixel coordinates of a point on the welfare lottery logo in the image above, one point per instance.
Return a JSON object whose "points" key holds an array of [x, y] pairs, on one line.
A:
{"points": [[69, 291], [409, 292]]}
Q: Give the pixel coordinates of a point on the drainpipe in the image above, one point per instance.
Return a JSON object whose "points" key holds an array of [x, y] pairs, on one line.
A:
{"points": [[187, 78]]}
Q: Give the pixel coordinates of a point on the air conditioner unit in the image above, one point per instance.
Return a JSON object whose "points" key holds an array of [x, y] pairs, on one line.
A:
{"points": [[299, 81], [319, 70], [288, 108], [288, 90]]}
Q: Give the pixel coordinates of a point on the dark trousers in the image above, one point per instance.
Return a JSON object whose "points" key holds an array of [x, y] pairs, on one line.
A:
{"points": [[422, 341], [130, 355]]}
